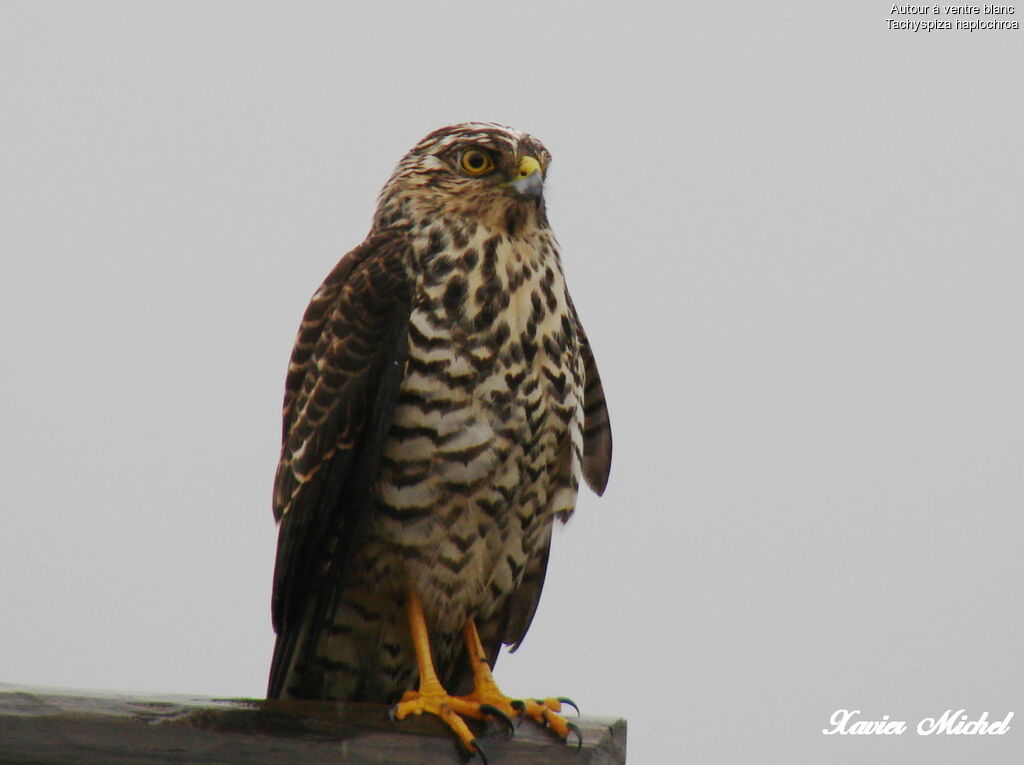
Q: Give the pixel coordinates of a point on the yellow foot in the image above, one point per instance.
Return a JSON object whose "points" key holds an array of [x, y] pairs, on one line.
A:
{"points": [[547, 713], [487, 695], [451, 709], [485, 701]]}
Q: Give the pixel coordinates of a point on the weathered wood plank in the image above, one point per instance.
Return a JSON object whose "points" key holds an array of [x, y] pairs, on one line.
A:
{"points": [[55, 727]]}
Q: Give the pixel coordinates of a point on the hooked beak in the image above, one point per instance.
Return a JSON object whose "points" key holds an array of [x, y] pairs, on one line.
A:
{"points": [[529, 181]]}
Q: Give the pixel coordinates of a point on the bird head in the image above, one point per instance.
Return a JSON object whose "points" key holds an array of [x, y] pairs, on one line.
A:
{"points": [[475, 170]]}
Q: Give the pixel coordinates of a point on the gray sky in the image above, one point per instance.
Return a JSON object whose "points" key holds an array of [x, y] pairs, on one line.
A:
{"points": [[794, 238]]}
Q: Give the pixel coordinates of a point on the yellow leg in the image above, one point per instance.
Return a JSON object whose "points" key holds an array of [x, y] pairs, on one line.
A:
{"points": [[431, 697]]}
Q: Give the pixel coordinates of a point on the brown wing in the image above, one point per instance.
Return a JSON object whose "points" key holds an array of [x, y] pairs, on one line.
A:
{"points": [[342, 383], [597, 428]]}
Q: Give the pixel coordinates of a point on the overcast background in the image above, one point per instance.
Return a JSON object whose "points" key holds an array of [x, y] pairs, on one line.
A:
{"points": [[794, 237]]}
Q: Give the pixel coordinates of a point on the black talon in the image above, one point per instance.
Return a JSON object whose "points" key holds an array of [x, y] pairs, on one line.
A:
{"points": [[479, 750], [570, 702], [574, 728], [520, 707], [391, 712], [493, 711]]}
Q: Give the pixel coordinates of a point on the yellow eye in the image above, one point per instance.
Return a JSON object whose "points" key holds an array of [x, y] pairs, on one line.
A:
{"points": [[476, 162]]}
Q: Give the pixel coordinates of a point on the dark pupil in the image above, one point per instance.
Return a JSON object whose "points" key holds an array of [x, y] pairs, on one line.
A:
{"points": [[476, 161]]}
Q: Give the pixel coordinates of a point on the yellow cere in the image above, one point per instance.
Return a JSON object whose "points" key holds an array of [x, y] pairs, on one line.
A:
{"points": [[528, 166]]}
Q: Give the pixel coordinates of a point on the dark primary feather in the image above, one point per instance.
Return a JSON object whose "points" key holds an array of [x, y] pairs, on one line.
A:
{"points": [[352, 339], [597, 429]]}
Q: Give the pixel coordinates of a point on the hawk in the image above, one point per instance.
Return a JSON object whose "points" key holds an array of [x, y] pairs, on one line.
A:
{"points": [[441, 402]]}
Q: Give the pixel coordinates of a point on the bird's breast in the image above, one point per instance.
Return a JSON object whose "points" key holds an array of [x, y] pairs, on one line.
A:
{"points": [[492, 368], [485, 439], [491, 322]]}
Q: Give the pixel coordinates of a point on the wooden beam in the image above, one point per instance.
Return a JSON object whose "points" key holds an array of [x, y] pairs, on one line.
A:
{"points": [[61, 727]]}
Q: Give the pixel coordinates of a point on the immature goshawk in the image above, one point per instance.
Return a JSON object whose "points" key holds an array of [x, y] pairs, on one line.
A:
{"points": [[441, 403]]}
